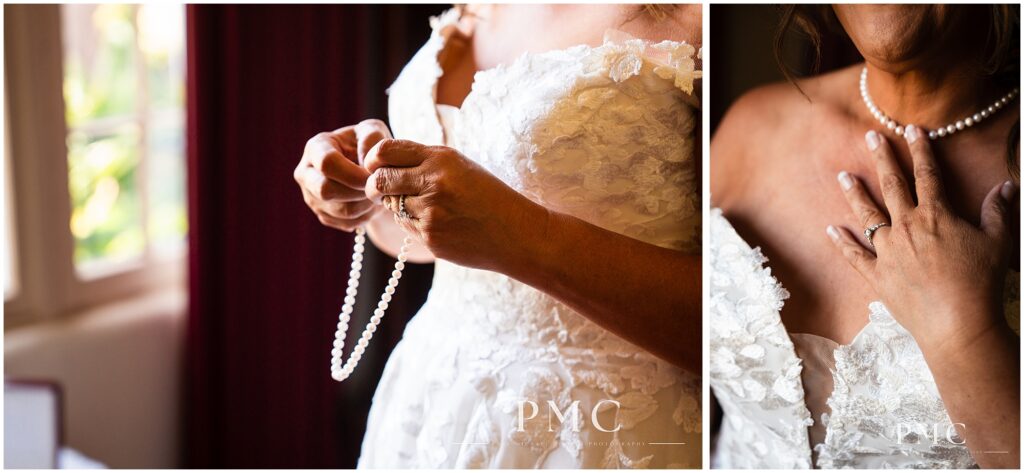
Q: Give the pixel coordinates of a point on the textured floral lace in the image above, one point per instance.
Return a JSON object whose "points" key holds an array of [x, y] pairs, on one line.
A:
{"points": [[885, 407], [754, 370], [493, 373], [597, 133], [885, 410]]}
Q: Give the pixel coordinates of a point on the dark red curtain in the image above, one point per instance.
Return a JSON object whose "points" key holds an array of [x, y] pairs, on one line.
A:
{"points": [[266, 279]]}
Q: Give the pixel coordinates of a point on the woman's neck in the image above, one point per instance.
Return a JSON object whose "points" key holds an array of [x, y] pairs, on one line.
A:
{"points": [[930, 97]]}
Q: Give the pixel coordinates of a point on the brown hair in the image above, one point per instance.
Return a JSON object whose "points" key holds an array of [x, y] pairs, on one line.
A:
{"points": [[1001, 49]]}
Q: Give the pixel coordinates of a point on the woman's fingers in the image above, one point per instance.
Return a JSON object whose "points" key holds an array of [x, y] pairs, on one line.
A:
{"points": [[895, 192], [861, 203], [325, 155], [341, 216], [996, 210], [414, 205], [401, 153], [343, 224], [348, 210], [411, 227], [344, 139], [313, 181], [369, 133], [336, 208], [854, 253], [927, 177], [395, 181]]}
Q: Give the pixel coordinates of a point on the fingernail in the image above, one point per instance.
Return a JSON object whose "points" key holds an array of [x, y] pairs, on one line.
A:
{"points": [[1008, 189], [911, 133], [832, 233], [845, 180], [872, 139]]}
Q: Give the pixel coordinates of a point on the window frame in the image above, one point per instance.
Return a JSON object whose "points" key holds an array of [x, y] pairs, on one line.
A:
{"points": [[47, 284]]}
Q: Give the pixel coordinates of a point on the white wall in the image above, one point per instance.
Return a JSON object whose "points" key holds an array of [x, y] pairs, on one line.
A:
{"points": [[120, 369]]}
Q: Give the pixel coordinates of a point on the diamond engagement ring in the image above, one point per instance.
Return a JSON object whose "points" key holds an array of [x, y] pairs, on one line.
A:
{"points": [[869, 232], [401, 207]]}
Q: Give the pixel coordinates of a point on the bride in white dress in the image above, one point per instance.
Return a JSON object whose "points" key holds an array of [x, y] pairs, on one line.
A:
{"points": [[560, 199], [894, 350]]}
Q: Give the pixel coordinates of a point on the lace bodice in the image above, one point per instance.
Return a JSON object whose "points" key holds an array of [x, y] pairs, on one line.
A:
{"points": [[883, 407], [602, 133]]}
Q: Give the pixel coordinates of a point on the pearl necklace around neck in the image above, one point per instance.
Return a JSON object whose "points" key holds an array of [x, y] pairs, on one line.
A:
{"points": [[339, 372], [941, 131]]}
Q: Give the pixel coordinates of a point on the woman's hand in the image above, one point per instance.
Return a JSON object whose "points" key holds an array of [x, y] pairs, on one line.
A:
{"points": [[463, 214], [457, 209], [940, 276], [331, 177]]}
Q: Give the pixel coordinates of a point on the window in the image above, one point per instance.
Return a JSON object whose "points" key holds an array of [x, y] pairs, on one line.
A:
{"points": [[94, 154], [123, 98]]}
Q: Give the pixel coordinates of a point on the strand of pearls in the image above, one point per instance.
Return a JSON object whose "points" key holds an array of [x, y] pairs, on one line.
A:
{"points": [[941, 131], [339, 372]]}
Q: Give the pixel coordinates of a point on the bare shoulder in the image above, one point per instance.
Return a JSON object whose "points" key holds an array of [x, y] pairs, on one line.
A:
{"points": [[767, 122], [753, 121]]}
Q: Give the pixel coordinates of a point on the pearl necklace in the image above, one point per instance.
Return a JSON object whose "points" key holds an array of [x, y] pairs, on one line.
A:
{"points": [[941, 131], [339, 372]]}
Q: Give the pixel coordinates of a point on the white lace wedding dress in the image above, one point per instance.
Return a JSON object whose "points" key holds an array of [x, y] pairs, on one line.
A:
{"points": [[870, 404], [605, 134]]}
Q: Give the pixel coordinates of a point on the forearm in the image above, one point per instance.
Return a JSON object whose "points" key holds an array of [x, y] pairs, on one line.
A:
{"points": [[979, 382], [648, 295], [387, 236]]}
